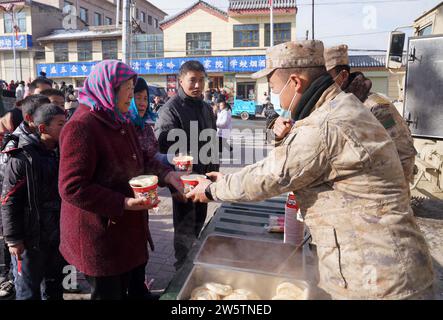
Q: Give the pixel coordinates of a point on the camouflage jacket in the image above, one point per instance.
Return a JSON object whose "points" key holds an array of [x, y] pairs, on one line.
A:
{"points": [[390, 118], [345, 171]]}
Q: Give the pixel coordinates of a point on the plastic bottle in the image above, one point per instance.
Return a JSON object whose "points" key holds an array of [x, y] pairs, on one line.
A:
{"points": [[294, 225]]}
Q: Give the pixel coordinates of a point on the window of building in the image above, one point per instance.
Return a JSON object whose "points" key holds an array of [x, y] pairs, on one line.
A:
{"points": [[40, 55], [79, 82], [426, 31], [84, 14], [198, 44], [282, 33], [246, 35], [108, 21], [147, 46], [215, 82], [156, 23], [110, 49], [84, 50], [21, 22], [97, 19], [143, 17], [61, 52], [246, 91], [67, 3], [150, 20]]}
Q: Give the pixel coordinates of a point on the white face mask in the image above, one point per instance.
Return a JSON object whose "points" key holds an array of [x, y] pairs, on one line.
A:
{"points": [[275, 100]]}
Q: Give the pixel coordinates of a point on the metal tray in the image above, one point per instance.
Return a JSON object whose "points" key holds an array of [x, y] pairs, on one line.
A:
{"points": [[262, 284], [251, 255]]}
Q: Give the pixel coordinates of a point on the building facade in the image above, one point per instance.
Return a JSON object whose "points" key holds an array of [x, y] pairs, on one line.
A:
{"points": [[236, 39], [70, 54], [231, 45], [104, 12], [51, 21], [431, 22], [32, 20], [93, 13]]}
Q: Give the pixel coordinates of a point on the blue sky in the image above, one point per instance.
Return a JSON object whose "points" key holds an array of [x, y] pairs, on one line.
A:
{"points": [[362, 24]]}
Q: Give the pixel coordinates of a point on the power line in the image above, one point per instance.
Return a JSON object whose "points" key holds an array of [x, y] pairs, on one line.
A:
{"points": [[354, 2], [246, 50], [320, 4], [355, 34]]}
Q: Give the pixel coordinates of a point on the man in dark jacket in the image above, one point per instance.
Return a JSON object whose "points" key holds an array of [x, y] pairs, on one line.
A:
{"points": [[187, 114], [63, 88], [31, 209]]}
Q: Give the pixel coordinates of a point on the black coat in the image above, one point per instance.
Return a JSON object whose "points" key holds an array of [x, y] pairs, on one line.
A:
{"points": [[178, 113], [30, 199], [9, 143]]}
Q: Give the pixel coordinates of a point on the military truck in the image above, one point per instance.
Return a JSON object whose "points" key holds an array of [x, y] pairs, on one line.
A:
{"points": [[423, 106], [423, 111]]}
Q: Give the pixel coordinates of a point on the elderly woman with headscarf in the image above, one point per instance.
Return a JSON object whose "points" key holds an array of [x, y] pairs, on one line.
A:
{"points": [[104, 231], [142, 118]]}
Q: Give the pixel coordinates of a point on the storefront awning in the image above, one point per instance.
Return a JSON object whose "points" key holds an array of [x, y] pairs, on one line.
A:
{"points": [[158, 66]]}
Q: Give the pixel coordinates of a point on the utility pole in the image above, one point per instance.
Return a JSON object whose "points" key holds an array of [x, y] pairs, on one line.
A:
{"points": [[271, 3], [126, 27], [10, 10], [117, 16], [313, 18], [14, 28], [21, 66]]}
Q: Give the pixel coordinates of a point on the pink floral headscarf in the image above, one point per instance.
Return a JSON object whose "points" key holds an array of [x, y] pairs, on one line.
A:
{"points": [[98, 91]]}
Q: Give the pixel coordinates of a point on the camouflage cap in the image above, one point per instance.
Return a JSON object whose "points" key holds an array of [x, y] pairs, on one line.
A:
{"points": [[303, 54], [336, 56]]}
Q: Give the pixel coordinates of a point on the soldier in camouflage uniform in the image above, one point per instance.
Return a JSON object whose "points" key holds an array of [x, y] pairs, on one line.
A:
{"points": [[337, 64], [345, 171]]}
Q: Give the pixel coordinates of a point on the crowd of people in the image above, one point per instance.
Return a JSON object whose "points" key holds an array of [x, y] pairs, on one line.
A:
{"points": [[21, 89], [342, 150], [213, 95], [30, 170]]}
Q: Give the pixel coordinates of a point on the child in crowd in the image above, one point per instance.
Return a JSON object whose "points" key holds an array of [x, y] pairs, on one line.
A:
{"points": [[31, 208]]}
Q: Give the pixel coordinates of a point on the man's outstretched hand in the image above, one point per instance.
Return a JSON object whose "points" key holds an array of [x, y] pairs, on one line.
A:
{"points": [[198, 194]]}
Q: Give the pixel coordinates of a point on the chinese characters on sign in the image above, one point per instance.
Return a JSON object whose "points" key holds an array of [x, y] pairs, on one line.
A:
{"points": [[22, 42], [56, 70], [231, 64]]}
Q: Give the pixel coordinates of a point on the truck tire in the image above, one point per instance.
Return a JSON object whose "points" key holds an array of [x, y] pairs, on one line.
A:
{"points": [[244, 116]]}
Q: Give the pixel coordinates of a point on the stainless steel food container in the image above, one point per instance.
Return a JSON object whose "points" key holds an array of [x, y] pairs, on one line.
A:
{"points": [[253, 255], [264, 285]]}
